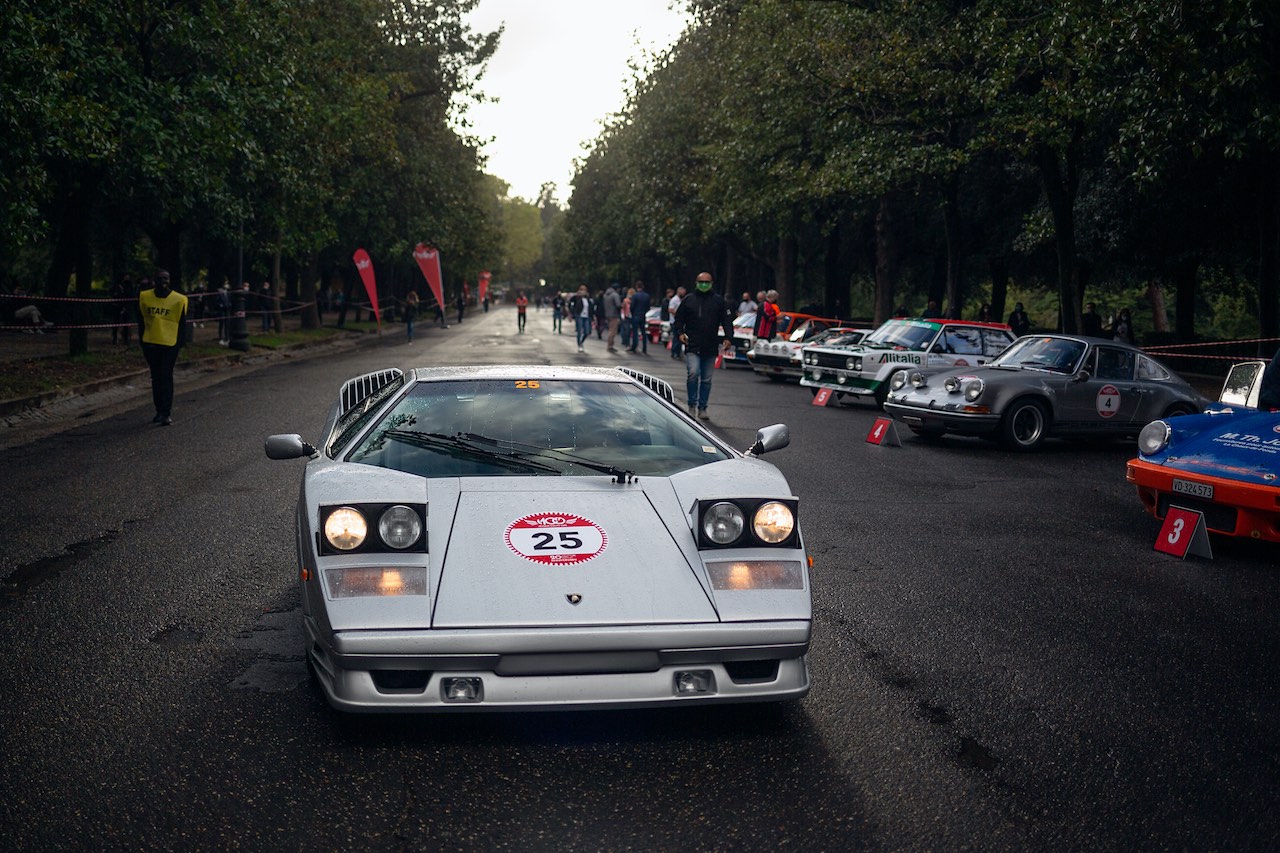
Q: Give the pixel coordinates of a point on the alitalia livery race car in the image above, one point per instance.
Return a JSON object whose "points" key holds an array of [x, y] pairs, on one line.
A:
{"points": [[1223, 463], [535, 537], [780, 359], [902, 345]]}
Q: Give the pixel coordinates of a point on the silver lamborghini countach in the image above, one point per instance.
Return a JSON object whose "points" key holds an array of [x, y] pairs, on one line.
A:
{"points": [[539, 538]]}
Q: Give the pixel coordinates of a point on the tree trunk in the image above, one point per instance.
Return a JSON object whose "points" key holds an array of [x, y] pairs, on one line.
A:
{"points": [[952, 225], [785, 272], [1268, 256], [1159, 313], [999, 269], [1060, 191], [309, 292], [884, 261], [277, 321], [1184, 282]]}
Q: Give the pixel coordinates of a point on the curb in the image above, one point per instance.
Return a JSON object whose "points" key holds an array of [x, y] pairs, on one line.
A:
{"points": [[18, 405]]}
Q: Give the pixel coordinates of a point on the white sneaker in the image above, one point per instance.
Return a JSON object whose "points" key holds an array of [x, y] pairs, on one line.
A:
{"points": [[693, 410], [702, 413]]}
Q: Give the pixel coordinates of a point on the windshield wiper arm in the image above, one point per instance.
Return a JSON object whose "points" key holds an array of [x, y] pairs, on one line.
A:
{"points": [[619, 475], [454, 445]]}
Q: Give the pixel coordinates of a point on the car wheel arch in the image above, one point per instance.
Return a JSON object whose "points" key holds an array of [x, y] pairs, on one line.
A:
{"points": [[1011, 411]]}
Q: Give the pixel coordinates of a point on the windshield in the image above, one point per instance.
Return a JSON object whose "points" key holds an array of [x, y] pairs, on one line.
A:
{"points": [[904, 334], [1060, 355], [837, 338], [496, 428]]}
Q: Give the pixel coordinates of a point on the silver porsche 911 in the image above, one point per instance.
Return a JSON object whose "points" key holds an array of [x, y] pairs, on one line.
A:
{"points": [[1041, 386], [536, 537]]}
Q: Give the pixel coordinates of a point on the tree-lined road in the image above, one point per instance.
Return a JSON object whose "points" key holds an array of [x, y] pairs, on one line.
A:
{"points": [[1000, 659]]}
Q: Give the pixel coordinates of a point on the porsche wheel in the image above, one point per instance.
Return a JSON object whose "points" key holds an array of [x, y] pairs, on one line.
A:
{"points": [[1024, 425]]}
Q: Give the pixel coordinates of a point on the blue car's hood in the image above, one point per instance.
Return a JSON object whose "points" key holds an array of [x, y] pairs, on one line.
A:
{"points": [[1239, 444]]}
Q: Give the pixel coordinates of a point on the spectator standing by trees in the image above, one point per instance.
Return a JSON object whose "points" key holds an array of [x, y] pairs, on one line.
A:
{"points": [[1019, 322], [1122, 328], [163, 330], [612, 314], [640, 305], [410, 313], [1090, 322]]}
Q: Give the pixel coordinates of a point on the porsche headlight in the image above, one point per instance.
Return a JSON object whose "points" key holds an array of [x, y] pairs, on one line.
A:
{"points": [[1154, 438], [898, 381], [399, 527], [723, 523], [916, 379], [973, 389], [773, 522], [346, 528], [952, 384]]}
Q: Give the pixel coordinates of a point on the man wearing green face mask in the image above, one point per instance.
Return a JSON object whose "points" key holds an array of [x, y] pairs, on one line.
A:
{"points": [[702, 315]]}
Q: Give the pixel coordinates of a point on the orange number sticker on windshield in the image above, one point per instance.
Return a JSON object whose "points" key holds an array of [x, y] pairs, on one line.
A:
{"points": [[526, 383]]}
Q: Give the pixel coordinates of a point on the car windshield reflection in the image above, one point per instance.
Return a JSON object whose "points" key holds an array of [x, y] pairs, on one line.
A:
{"points": [[1059, 355], [495, 428]]}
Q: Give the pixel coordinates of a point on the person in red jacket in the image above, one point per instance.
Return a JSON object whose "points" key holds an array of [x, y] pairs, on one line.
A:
{"points": [[522, 305]]}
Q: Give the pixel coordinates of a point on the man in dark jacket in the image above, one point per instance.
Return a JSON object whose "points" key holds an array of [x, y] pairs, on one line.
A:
{"points": [[640, 305], [699, 319]]}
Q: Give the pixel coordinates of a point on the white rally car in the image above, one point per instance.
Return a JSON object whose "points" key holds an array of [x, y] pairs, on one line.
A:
{"points": [[507, 538], [783, 358], [902, 344]]}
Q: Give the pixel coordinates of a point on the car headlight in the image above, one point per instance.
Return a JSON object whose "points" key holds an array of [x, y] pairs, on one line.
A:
{"points": [[952, 384], [756, 574], [346, 528], [375, 582], [773, 522], [399, 527], [973, 389], [899, 380], [1154, 438], [850, 364], [916, 379], [723, 523]]}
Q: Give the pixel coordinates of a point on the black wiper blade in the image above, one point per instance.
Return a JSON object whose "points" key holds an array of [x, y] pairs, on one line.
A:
{"points": [[452, 444], [619, 475]]}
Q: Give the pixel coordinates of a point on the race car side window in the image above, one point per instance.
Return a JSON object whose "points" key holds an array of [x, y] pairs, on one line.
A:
{"points": [[1114, 363], [1151, 370], [353, 421], [995, 341], [962, 341]]}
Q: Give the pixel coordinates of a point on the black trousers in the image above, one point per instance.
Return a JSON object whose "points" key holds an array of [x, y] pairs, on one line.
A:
{"points": [[161, 360]]}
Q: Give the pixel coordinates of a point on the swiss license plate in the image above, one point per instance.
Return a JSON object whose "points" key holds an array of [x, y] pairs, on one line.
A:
{"points": [[1199, 490]]}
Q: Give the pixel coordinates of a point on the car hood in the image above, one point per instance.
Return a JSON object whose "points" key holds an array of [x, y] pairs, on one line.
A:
{"points": [[1239, 444], [569, 552]]}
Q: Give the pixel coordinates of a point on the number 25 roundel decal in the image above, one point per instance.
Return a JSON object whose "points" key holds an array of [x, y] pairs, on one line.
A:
{"points": [[555, 538]]}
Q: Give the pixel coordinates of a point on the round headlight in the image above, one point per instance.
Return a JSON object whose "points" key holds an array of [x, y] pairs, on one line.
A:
{"points": [[898, 381], [399, 527], [345, 528], [722, 523], [1153, 438], [952, 385], [973, 389], [917, 379], [848, 363], [773, 522]]}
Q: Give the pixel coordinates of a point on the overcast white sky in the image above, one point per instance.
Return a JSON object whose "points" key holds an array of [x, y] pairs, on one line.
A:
{"points": [[560, 69]]}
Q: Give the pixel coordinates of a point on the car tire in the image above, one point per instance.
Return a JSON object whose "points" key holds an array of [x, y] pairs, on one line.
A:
{"points": [[1177, 410], [1024, 425]]}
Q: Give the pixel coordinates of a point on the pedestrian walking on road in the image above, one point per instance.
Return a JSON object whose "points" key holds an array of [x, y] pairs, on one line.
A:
{"points": [[640, 305], [612, 314], [462, 305], [411, 303], [581, 307], [223, 308], [163, 330], [673, 305], [700, 319], [522, 306]]}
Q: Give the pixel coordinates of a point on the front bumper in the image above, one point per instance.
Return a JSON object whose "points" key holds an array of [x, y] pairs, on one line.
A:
{"points": [[770, 365], [548, 669], [1237, 509], [937, 420], [846, 381]]}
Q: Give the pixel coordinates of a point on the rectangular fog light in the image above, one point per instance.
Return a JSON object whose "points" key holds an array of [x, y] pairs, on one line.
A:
{"points": [[461, 689], [689, 682]]}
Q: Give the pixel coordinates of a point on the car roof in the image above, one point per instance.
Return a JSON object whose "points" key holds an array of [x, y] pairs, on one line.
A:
{"points": [[518, 371], [951, 321]]}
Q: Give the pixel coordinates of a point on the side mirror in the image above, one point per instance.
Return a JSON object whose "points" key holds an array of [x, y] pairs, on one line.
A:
{"points": [[770, 438], [288, 447], [1083, 376]]}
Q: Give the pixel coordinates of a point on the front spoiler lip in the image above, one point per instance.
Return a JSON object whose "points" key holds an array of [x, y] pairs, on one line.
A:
{"points": [[348, 686], [957, 421]]}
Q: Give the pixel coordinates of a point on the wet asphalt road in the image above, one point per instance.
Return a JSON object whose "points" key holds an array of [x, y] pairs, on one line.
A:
{"points": [[1000, 659]]}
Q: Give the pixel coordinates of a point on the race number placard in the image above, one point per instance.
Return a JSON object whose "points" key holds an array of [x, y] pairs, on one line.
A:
{"points": [[555, 538], [1108, 401], [1183, 533], [884, 433], [821, 398]]}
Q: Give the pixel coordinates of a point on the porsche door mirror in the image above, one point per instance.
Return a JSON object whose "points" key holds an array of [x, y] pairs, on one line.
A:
{"points": [[287, 447], [770, 438]]}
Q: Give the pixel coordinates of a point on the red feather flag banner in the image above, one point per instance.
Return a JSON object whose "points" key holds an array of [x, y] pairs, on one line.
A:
{"points": [[429, 262], [365, 266], [484, 284]]}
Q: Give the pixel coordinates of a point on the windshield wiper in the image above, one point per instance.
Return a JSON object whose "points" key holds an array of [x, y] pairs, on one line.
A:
{"points": [[520, 449], [454, 445]]}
